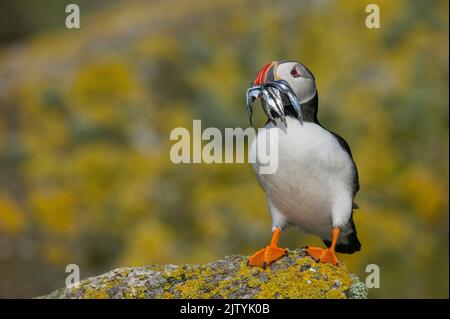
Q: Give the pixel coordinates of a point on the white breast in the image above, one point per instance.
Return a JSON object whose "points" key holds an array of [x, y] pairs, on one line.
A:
{"points": [[312, 186]]}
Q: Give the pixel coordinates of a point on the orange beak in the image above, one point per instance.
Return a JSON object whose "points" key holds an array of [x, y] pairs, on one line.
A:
{"points": [[262, 75]]}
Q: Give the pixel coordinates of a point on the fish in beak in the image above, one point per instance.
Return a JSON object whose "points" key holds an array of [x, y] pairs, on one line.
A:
{"points": [[275, 95]]}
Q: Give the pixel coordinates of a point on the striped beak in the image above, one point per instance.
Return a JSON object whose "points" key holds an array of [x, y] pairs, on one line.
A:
{"points": [[263, 75], [272, 90]]}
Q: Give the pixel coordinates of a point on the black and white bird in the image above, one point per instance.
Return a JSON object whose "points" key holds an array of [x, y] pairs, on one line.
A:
{"points": [[316, 181]]}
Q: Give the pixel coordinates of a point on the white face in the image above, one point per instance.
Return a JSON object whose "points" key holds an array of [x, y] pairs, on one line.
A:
{"points": [[299, 78]]}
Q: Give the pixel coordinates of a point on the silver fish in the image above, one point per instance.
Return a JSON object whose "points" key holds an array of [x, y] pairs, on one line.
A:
{"points": [[271, 94]]}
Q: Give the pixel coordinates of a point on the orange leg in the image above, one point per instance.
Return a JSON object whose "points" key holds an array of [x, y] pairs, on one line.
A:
{"points": [[326, 255], [269, 254]]}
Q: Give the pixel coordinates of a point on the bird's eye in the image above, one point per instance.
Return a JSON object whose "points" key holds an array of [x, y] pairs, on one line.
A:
{"points": [[294, 72]]}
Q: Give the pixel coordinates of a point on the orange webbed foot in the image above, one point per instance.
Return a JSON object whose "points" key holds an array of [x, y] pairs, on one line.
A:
{"points": [[264, 257], [268, 255], [326, 255], [321, 255]]}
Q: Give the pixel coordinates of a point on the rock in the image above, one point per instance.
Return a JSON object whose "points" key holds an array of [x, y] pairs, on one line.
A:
{"points": [[293, 276]]}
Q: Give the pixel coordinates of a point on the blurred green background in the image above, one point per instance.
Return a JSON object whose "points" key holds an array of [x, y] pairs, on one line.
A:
{"points": [[85, 173]]}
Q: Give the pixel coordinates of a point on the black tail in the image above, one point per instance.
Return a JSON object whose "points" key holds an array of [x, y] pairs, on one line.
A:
{"points": [[348, 244]]}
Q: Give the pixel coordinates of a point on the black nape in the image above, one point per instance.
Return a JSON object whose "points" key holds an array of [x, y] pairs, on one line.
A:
{"points": [[309, 110]]}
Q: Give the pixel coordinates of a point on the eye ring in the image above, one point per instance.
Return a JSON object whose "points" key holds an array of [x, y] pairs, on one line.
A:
{"points": [[294, 72]]}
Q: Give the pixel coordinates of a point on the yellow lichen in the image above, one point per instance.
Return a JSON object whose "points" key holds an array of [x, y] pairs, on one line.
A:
{"points": [[94, 293], [253, 282], [318, 281], [295, 277]]}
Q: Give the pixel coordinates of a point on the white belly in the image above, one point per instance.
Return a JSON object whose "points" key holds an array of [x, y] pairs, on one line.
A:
{"points": [[311, 187]]}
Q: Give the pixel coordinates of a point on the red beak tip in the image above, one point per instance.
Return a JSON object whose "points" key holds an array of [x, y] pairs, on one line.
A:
{"points": [[260, 78]]}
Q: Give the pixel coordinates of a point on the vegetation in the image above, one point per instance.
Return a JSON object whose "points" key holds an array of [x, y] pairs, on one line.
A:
{"points": [[85, 173], [294, 277]]}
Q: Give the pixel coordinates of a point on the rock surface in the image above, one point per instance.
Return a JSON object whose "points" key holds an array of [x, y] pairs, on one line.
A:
{"points": [[293, 276]]}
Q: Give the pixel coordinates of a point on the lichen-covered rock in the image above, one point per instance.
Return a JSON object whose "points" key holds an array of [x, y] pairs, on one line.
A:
{"points": [[293, 276]]}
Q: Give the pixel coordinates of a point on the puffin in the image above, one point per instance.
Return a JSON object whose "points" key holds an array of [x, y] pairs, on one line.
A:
{"points": [[316, 180]]}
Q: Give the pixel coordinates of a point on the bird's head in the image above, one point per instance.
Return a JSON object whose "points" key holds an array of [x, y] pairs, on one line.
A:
{"points": [[287, 88]]}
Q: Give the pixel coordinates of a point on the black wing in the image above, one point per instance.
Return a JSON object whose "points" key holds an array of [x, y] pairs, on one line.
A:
{"points": [[345, 147], [350, 243]]}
